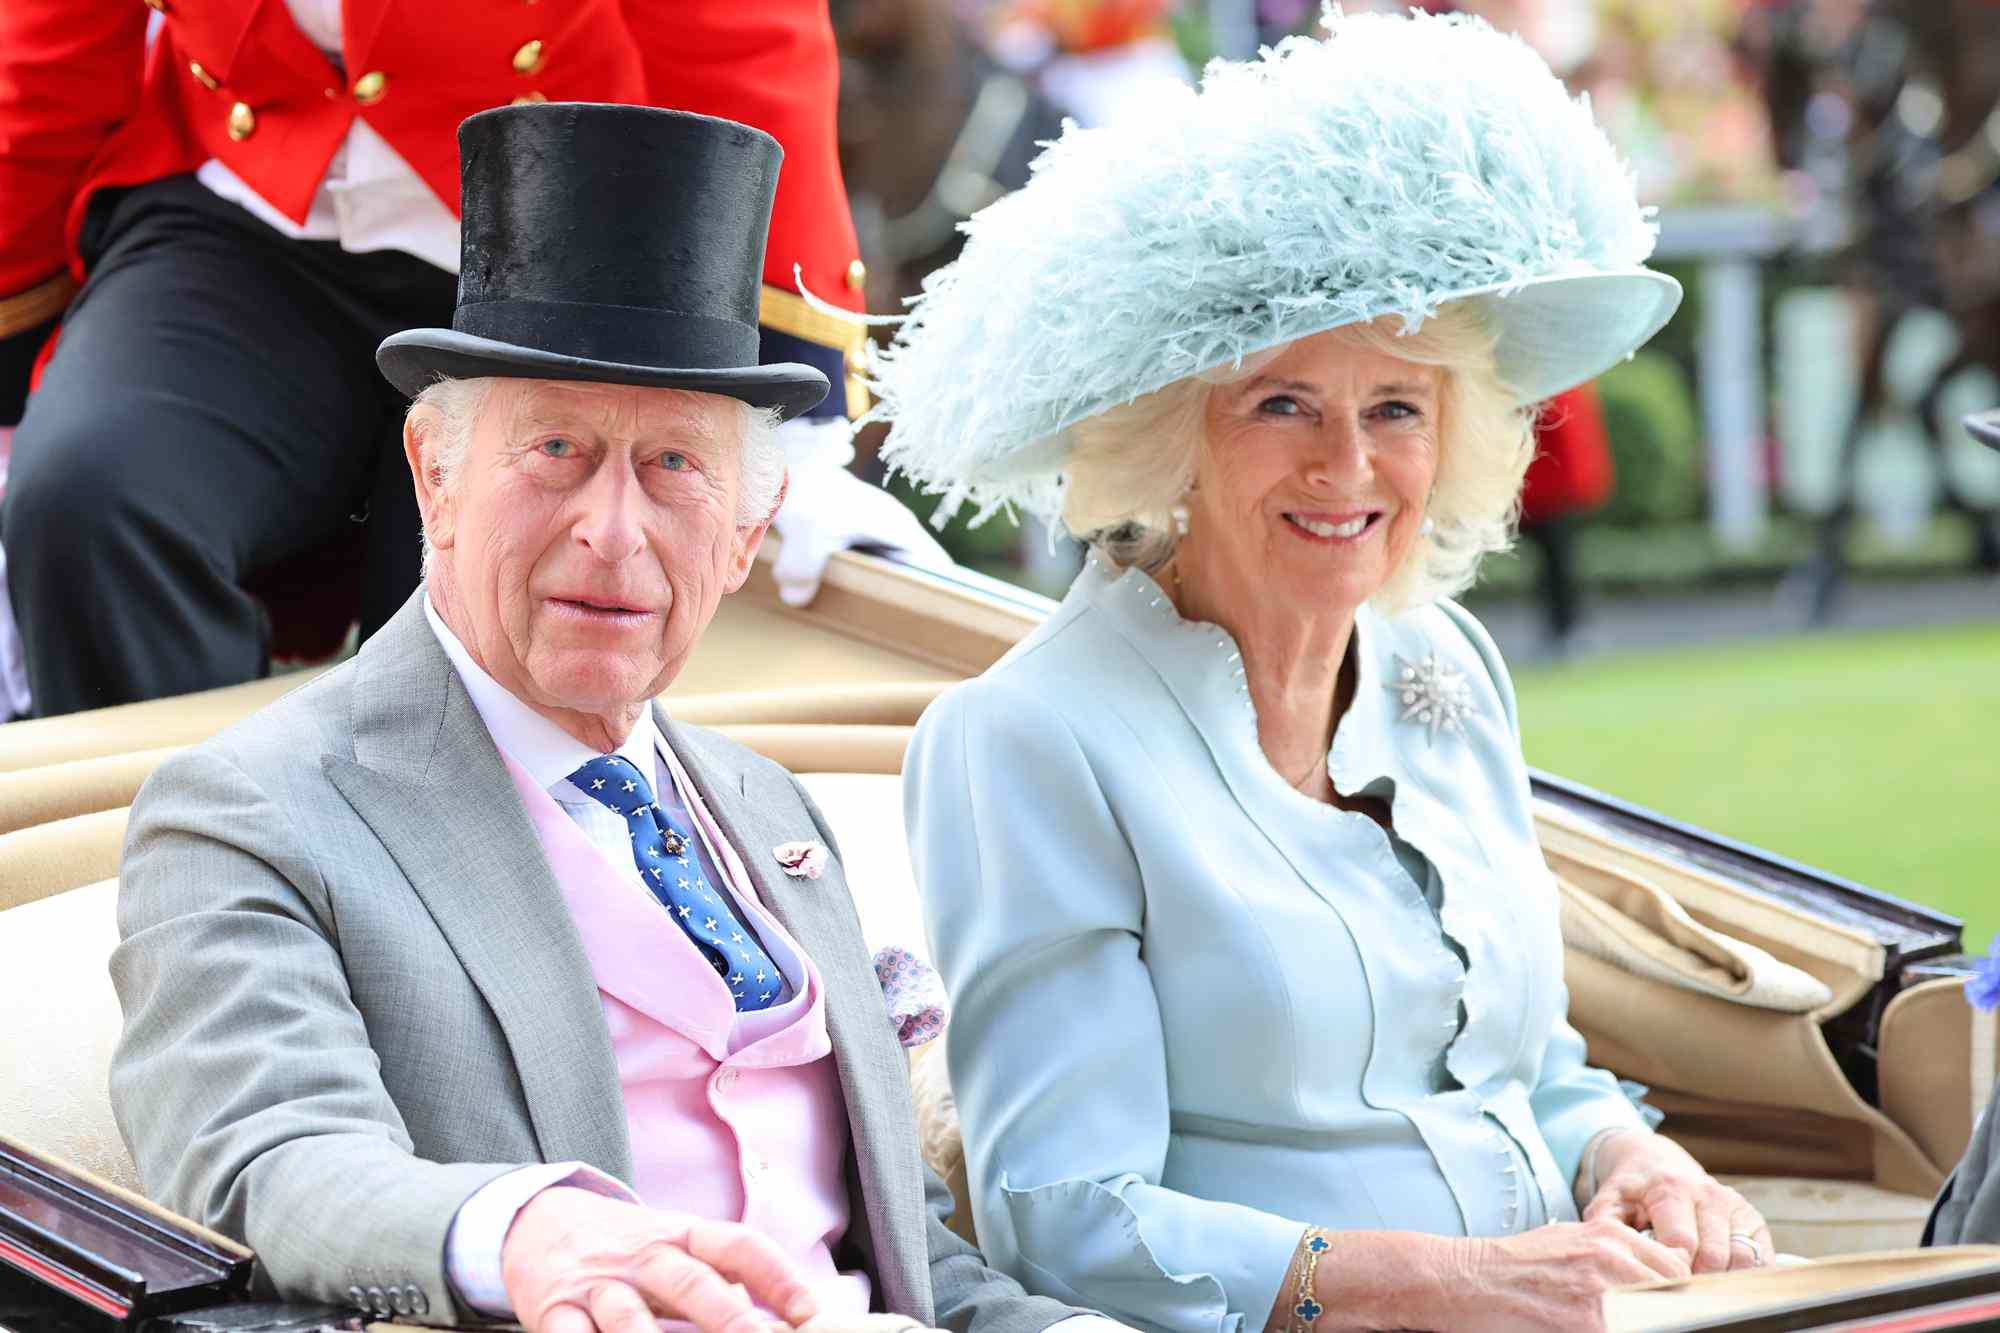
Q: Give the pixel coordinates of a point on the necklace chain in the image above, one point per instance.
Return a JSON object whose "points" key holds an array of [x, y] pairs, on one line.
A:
{"points": [[1173, 570]]}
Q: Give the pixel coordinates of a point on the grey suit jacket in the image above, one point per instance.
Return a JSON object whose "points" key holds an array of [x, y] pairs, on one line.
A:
{"points": [[353, 995]]}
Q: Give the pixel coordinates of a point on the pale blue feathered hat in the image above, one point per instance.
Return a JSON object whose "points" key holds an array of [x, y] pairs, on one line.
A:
{"points": [[1399, 164]]}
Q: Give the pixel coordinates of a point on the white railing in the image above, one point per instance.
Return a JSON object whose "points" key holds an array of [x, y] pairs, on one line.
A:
{"points": [[1731, 246]]}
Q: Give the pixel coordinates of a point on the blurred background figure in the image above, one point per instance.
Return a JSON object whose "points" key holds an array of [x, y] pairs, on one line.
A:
{"points": [[252, 196], [942, 107], [1098, 62], [1572, 475]]}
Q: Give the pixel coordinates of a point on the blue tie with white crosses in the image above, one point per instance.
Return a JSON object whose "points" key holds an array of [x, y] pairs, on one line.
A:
{"points": [[671, 868]]}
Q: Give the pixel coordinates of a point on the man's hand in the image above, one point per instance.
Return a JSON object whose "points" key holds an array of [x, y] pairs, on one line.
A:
{"points": [[575, 1261], [1650, 1182]]}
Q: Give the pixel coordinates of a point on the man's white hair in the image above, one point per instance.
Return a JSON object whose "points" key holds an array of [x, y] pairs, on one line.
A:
{"points": [[444, 414]]}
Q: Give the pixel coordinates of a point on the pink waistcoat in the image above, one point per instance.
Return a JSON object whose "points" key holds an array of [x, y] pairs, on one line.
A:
{"points": [[731, 1116]]}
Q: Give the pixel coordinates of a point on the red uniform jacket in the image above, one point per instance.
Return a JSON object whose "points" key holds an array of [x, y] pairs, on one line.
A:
{"points": [[1572, 470], [84, 104]]}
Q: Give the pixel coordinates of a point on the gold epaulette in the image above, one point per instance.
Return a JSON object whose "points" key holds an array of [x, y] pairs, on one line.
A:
{"points": [[38, 305], [789, 313]]}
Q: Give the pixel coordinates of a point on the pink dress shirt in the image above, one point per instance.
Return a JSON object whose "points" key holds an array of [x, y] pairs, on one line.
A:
{"points": [[735, 1116]]}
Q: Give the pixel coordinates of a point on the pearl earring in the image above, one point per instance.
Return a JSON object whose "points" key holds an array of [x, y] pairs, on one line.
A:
{"points": [[1179, 514], [1428, 528]]}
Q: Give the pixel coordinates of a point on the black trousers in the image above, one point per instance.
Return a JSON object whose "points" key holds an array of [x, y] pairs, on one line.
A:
{"points": [[1562, 596], [212, 409]]}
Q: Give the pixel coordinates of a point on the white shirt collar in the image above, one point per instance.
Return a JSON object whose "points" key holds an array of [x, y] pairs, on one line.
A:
{"points": [[545, 750]]}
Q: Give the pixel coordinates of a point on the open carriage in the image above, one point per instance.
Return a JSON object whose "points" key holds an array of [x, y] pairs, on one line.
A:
{"points": [[1806, 1037]]}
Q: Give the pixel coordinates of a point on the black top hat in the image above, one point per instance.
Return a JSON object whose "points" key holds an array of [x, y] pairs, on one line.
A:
{"points": [[1985, 427], [621, 244]]}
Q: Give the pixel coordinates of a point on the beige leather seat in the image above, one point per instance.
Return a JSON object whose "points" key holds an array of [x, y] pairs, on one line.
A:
{"points": [[46, 859], [1822, 1218], [62, 1020], [1936, 1061]]}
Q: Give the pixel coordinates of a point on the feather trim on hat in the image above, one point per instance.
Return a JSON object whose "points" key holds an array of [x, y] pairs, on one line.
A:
{"points": [[1398, 163]]}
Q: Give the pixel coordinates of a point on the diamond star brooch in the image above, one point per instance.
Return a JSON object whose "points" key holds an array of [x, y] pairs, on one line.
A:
{"points": [[1433, 694]]}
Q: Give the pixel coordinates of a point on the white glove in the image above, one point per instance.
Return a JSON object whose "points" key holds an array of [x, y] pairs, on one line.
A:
{"points": [[828, 509]]}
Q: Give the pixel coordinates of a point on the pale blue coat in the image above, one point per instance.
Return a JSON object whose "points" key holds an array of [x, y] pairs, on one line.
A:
{"points": [[1194, 1010]]}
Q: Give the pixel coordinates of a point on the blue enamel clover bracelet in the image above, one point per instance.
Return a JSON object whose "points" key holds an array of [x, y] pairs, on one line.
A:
{"points": [[1307, 1308]]}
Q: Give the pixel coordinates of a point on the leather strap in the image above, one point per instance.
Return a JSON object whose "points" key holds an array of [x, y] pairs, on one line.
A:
{"points": [[789, 313], [36, 306]]}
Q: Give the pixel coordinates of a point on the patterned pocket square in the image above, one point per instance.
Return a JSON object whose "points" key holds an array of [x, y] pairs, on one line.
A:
{"points": [[914, 993]]}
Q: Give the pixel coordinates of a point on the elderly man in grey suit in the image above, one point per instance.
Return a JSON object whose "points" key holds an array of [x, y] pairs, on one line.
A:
{"points": [[462, 982]]}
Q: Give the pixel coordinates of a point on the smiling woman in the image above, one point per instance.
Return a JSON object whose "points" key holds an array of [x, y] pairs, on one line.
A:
{"points": [[1246, 819], [1130, 468]]}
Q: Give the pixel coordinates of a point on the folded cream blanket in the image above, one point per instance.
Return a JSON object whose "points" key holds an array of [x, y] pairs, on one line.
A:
{"points": [[1636, 926]]}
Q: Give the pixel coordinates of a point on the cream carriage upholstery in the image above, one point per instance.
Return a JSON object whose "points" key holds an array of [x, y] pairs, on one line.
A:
{"points": [[1675, 981]]}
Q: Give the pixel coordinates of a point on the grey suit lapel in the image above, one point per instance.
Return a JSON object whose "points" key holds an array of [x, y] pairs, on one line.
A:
{"points": [[427, 779], [757, 809]]}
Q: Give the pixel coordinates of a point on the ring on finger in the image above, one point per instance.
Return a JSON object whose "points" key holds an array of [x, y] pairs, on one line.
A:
{"points": [[1756, 1247]]}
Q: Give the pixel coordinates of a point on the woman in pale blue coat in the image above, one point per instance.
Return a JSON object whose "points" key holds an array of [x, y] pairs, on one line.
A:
{"points": [[1230, 865]]}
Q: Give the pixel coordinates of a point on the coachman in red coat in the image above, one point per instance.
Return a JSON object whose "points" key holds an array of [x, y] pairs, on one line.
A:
{"points": [[1571, 475], [210, 410]]}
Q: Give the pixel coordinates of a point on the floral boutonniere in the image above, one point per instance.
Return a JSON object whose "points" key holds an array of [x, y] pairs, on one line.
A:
{"points": [[801, 860], [1982, 988]]}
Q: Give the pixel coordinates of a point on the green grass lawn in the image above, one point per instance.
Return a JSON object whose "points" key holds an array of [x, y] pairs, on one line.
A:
{"points": [[1875, 756]]}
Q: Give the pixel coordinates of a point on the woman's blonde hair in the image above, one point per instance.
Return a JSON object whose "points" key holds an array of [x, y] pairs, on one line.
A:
{"points": [[1130, 466]]}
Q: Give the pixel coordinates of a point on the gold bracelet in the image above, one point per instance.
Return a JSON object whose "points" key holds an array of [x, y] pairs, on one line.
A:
{"points": [[1307, 1308]]}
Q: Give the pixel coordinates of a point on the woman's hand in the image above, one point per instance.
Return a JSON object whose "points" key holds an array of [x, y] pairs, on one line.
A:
{"points": [[1647, 1181], [1550, 1278]]}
